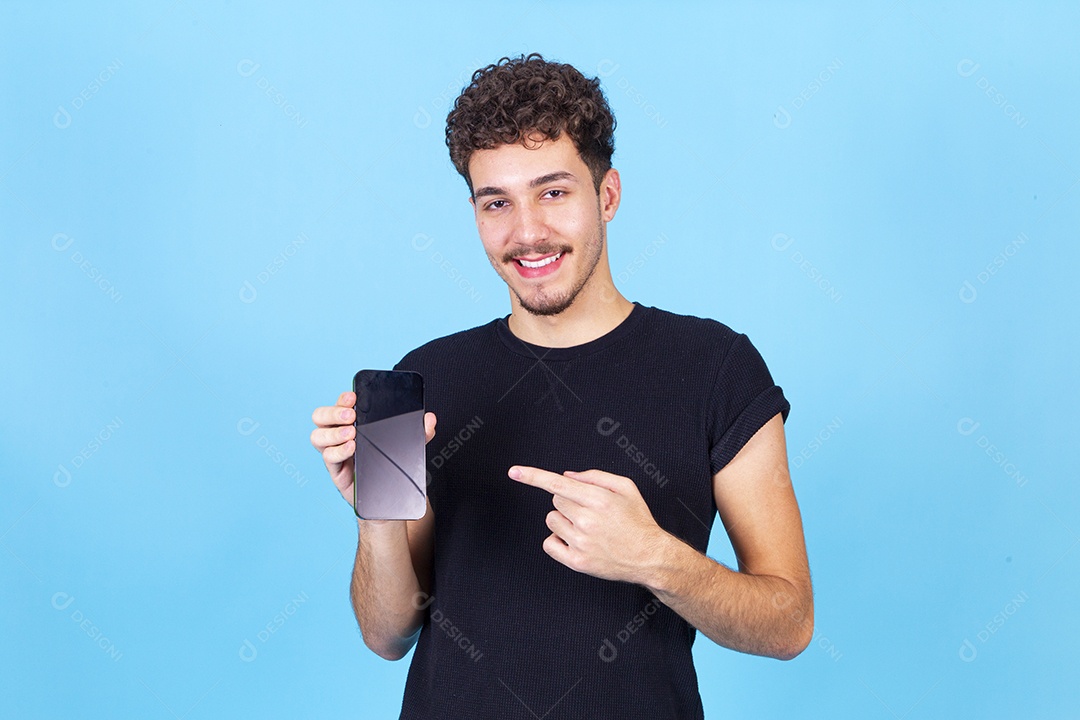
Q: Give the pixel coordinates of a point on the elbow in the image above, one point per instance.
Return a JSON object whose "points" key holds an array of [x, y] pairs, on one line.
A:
{"points": [[799, 637], [793, 649], [390, 647], [387, 651]]}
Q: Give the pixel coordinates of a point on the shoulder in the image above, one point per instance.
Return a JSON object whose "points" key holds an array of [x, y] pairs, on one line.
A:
{"points": [[690, 332], [721, 354], [465, 342]]}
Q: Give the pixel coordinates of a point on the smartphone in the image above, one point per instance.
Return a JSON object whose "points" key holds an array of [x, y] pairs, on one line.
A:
{"points": [[390, 482]]}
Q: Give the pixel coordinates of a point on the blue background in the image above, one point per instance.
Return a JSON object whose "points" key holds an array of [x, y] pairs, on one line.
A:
{"points": [[211, 215]]}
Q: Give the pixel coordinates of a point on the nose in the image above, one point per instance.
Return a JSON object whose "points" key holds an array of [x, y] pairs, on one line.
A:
{"points": [[530, 226]]}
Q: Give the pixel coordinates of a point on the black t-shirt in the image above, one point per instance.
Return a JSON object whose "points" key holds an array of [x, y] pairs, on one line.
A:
{"points": [[664, 399]]}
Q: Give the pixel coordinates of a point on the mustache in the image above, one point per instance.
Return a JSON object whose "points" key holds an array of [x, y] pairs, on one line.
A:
{"points": [[549, 249]]}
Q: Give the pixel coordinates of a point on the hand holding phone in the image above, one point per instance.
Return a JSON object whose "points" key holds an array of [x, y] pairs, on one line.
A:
{"points": [[334, 439], [390, 481]]}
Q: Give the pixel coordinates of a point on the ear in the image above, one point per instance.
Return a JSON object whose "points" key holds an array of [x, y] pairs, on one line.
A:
{"points": [[610, 194]]}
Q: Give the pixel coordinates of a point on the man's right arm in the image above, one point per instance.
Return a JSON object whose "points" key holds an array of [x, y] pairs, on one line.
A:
{"points": [[390, 582], [392, 572]]}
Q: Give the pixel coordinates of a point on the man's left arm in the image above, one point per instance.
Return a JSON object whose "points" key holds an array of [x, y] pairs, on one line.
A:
{"points": [[602, 526], [767, 607]]}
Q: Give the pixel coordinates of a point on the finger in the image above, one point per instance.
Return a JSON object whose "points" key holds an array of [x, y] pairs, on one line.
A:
{"points": [[322, 438], [554, 483], [566, 506], [347, 399], [333, 415], [337, 454], [429, 425], [561, 526], [606, 480], [559, 550]]}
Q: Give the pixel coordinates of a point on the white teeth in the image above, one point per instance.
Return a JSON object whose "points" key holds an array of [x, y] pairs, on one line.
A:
{"points": [[540, 263]]}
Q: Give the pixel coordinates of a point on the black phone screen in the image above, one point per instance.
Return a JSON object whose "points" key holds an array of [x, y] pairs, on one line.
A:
{"points": [[390, 482]]}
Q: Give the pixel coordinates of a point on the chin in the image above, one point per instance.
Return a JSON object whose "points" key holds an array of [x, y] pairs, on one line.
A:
{"points": [[545, 310], [546, 306]]}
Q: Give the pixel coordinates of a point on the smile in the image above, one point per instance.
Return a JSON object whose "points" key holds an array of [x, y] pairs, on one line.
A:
{"points": [[540, 263], [540, 267]]}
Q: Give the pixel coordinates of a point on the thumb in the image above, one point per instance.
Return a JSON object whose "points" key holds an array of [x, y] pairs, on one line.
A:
{"points": [[429, 425]]}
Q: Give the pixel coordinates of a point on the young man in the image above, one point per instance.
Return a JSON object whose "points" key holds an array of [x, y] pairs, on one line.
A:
{"points": [[559, 570]]}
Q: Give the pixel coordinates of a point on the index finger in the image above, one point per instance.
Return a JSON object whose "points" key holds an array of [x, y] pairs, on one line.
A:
{"points": [[340, 414], [554, 483]]}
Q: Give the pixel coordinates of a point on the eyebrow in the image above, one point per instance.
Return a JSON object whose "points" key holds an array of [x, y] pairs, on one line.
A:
{"points": [[534, 183]]}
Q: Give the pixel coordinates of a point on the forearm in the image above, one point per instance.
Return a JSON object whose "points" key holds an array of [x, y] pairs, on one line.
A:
{"points": [[757, 614], [385, 589]]}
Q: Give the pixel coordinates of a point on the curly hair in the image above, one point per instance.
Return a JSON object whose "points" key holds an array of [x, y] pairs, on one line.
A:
{"points": [[518, 98]]}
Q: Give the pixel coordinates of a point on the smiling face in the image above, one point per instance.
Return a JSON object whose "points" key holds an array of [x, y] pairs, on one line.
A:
{"points": [[542, 222]]}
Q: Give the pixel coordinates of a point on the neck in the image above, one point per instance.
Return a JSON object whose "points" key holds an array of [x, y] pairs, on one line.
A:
{"points": [[597, 310]]}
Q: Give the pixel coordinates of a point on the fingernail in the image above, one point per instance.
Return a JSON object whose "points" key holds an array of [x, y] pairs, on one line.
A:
{"points": [[514, 472]]}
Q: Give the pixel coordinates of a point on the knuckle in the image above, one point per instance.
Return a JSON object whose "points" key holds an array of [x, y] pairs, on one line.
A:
{"points": [[342, 454]]}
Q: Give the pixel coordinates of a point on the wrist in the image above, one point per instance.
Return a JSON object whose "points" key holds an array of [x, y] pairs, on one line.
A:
{"points": [[658, 571], [378, 529]]}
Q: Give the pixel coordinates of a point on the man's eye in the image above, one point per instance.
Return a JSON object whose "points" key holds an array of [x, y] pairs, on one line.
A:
{"points": [[496, 204], [556, 193]]}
